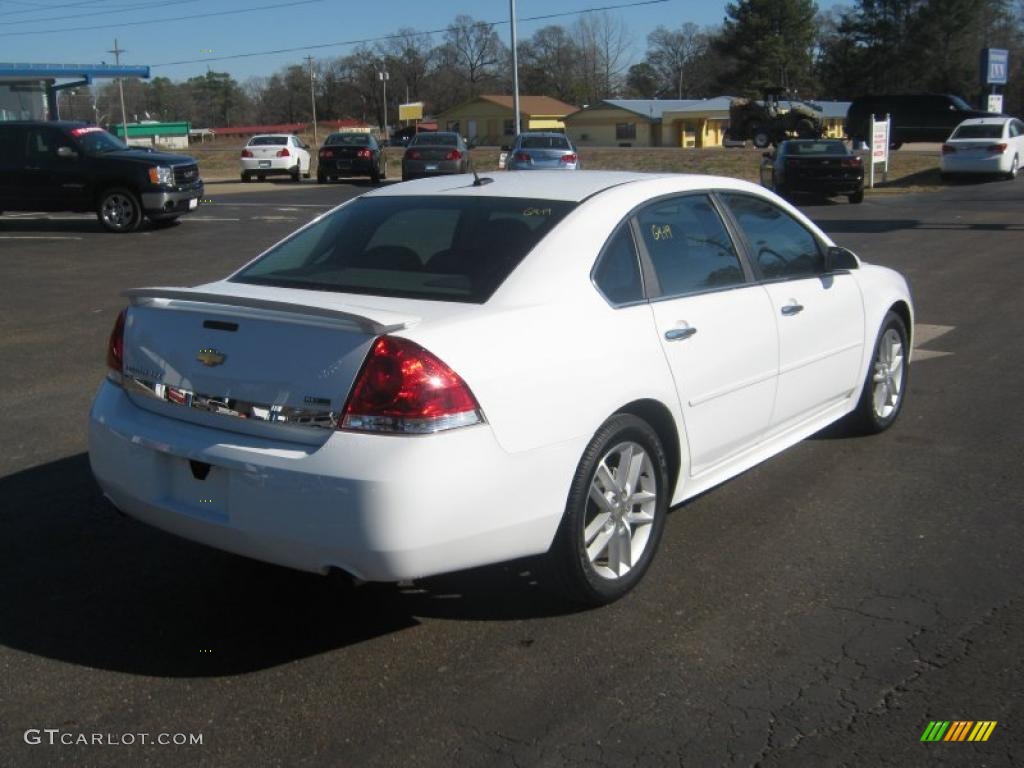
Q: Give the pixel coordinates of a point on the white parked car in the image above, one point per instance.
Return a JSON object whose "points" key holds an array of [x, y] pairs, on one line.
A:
{"points": [[439, 374], [275, 154], [984, 145]]}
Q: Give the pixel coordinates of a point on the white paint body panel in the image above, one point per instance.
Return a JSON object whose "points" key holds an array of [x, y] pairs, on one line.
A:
{"points": [[549, 360]]}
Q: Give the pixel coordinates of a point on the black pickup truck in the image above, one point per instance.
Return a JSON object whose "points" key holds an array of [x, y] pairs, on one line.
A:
{"points": [[71, 166]]}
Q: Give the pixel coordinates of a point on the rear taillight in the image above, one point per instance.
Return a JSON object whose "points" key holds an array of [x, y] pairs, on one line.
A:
{"points": [[246, 153], [115, 349], [283, 152], [948, 149], [569, 159], [326, 153], [453, 155], [404, 389], [521, 157], [850, 162], [365, 153], [412, 154], [997, 148]]}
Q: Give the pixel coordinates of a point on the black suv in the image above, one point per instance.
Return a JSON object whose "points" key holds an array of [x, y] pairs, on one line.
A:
{"points": [[69, 166], [915, 116]]}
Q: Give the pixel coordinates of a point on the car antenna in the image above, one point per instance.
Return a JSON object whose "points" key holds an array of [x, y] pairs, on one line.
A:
{"points": [[477, 181]]}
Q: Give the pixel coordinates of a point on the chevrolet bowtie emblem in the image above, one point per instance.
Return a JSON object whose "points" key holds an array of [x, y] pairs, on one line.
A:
{"points": [[211, 357]]}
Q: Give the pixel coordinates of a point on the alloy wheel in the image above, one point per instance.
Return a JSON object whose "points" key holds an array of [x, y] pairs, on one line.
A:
{"points": [[888, 374]]}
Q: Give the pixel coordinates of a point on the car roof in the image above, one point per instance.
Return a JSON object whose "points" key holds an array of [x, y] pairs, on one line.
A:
{"points": [[986, 120], [548, 185], [545, 134], [264, 135]]}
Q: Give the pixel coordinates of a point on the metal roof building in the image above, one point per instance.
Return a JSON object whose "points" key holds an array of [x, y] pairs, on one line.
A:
{"points": [[29, 91]]}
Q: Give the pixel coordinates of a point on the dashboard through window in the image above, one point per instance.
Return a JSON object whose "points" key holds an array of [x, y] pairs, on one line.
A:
{"points": [[689, 246], [781, 247]]}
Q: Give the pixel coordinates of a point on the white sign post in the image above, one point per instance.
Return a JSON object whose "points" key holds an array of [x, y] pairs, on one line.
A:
{"points": [[995, 103], [879, 149]]}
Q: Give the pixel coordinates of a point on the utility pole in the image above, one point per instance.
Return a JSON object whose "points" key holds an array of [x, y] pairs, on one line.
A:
{"points": [[515, 67], [117, 51], [383, 76], [312, 98]]}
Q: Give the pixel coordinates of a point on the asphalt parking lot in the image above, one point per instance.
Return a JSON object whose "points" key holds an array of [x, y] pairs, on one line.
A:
{"points": [[818, 610]]}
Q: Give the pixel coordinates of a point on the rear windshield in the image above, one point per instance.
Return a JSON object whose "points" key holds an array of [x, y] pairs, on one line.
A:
{"points": [[441, 248], [978, 132], [545, 142], [347, 139], [263, 141], [816, 148], [435, 139]]}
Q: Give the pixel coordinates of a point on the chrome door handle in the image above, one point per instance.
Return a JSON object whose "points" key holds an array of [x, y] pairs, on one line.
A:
{"points": [[792, 309], [678, 334]]}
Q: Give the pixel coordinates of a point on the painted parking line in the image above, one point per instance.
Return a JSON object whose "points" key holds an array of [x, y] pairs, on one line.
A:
{"points": [[925, 334], [208, 218], [39, 237]]}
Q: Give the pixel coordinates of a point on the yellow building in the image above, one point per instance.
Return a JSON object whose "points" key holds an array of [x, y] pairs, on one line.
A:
{"points": [[687, 123], [488, 118]]}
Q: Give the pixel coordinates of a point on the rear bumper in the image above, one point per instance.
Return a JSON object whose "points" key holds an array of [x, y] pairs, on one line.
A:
{"points": [[824, 187], [994, 164], [381, 508], [278, 165], [355, 168], [158, 205], [422, 169]]}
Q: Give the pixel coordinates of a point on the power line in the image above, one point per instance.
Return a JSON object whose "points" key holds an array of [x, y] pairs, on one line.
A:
{"points": [[106, 11], [398, 35], [33, 7], [115, 25]]}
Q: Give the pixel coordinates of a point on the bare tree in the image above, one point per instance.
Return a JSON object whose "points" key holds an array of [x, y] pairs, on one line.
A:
{"points": [[603, 42], [672, 52], [473, 50]]}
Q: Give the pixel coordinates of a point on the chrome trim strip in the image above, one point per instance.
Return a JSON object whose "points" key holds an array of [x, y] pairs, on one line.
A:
{"points": [[226, 406]]}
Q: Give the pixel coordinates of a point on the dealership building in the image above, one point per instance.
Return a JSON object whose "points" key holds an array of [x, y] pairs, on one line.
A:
{"points": [[29, 91]]}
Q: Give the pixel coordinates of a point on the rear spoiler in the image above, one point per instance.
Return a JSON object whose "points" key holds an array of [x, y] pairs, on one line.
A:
{"points": [[153, 297]]}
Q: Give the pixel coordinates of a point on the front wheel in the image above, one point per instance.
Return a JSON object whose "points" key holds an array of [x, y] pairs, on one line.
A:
{"points": [[886, 382], [119, 210], [615, 513], [760, 137]]}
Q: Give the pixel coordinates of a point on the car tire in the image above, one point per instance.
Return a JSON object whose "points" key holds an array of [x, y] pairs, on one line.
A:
{"points": [[297, 173], [375, 175], [857, 197], [384, 168], [1014, 168], [320, 178], [882, 399], [588, 559], [759, 135], [894, 145], [246, 178], [119, 210], [261, 177], [946, 177]]}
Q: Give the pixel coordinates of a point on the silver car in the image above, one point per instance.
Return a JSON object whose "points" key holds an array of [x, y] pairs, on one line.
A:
{"points": [[435, 154], [543, 151]]}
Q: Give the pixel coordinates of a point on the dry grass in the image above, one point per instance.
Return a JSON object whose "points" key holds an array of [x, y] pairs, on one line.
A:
{"points": [[909, 171]]}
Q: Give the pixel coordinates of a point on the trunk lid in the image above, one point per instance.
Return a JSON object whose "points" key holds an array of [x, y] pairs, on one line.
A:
{"points": [[547, 158], [279, 369]]}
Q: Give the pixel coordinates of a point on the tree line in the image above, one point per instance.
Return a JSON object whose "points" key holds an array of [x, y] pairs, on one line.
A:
{"points": [[871, 46]]}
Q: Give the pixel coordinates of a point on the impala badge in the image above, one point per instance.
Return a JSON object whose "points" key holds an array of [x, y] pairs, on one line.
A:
{"points": [[211, 357]]}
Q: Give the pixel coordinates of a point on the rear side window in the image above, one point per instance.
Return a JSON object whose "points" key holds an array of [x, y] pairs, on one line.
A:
{"points": [[780, 245], [617, 274], [444, 248], [689, 246]]}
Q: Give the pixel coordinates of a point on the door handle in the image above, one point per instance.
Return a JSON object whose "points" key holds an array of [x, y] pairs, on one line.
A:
{"points": [[678, 334], [792, 309]]}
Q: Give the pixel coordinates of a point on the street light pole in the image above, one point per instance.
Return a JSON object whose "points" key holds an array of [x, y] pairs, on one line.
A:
{"points": [[383, 76], [117, 51], [312, 98], [515, 67]]}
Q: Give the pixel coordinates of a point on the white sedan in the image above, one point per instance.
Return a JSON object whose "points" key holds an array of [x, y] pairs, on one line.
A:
{"points": [[275, 154], [445, 374], [984, 145]]}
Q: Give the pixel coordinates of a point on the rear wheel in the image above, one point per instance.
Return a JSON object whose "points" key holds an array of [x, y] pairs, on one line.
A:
{"points": [[119, 210], [615, 513], [1014, 167], [760, 136], [246, 178], [856, 197], [886, 381], [297, 172], [320, 178]]}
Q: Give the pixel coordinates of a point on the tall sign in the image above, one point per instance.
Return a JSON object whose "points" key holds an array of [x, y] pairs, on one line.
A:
{"points": [[995, 66], [879, 148]]}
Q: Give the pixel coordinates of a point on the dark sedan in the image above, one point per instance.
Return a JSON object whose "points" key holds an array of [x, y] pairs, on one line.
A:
{"points": [[351, 154], [434, 154], [821, 167]]}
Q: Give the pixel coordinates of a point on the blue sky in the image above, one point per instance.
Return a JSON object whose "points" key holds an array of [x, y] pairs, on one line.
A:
{"points": [[88, 27]]}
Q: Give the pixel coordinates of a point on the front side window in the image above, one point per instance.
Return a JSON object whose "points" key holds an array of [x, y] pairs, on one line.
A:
{"points": [[689, 246], [617, 274], [456, 248], [781, 246]]}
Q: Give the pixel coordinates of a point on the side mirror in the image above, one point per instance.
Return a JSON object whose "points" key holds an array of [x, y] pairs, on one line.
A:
{"points": [[67, 152], [837, 259]]}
